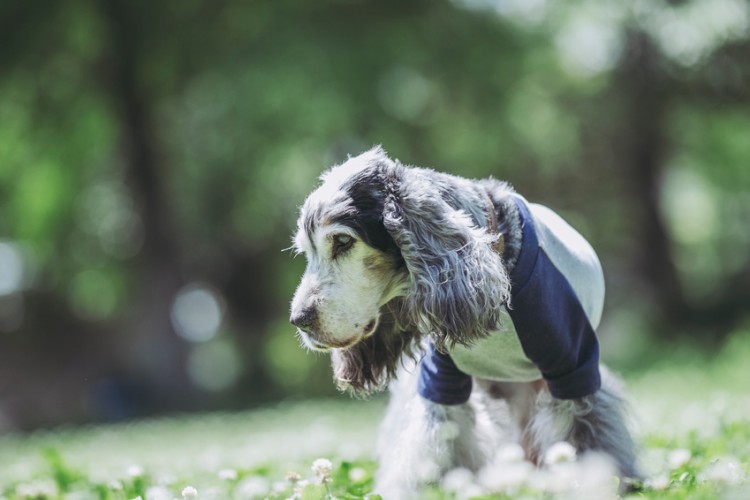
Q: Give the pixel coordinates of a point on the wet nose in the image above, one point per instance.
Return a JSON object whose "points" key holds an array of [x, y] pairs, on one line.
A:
{"points": [[304, 320]]}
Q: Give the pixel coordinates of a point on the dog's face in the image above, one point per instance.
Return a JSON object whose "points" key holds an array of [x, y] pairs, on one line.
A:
{"points": [[353, 266], [393, 253], [338, 301]]}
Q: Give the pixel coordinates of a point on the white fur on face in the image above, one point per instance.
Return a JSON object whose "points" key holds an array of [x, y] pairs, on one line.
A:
{"points": [[346, 290]]}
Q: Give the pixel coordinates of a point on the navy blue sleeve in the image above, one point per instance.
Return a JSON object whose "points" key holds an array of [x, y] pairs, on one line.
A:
{"points": [[551, 324], [440, 380]]}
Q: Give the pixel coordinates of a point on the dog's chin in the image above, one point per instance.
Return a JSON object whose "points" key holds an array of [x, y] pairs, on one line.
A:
{"points": [[313, 345], [327, 346], [324, 343]]}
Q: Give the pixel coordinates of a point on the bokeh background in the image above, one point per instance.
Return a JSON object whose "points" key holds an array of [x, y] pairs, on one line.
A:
{"points": [[153, 156]]}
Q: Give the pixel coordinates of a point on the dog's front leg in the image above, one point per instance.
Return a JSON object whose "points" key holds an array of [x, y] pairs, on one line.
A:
{"points": [[420, 440]]}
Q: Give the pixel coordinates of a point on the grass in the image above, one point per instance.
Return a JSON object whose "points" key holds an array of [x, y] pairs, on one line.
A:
{"points": [[692, 420]]}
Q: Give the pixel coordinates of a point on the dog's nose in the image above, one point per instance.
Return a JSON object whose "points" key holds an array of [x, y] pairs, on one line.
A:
{"points": [[305, 320]]}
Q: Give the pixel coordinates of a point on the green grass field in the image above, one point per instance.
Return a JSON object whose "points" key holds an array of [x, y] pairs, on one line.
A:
{"points": [[692, 419]]}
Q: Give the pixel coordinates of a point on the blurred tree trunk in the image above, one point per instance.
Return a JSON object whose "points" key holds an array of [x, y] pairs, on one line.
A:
{"points": [[644, 152], [642, 82], [154, 345]]}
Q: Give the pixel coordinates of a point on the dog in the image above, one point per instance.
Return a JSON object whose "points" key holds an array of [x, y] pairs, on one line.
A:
{"points": [[461, 296]]}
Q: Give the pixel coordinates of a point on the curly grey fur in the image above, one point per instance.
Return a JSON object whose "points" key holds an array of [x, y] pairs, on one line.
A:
{"points": [[592, 423], [458, 282], [420, 441]]}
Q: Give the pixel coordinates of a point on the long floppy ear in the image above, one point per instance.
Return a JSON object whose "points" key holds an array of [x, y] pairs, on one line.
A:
{"points": [[458, 282]]}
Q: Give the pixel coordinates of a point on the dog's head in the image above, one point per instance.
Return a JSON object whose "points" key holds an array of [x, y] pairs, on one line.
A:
{"points": [[393, 253]]}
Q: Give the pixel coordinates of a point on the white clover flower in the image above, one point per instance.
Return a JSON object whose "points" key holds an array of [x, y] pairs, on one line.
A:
{"points": [[293, 477], [561, 478], [724, 470], [228, 474], [158, 493], [137, 498], [471, 491], [253, 486], [679, 457], [301, 485], [279, 487], [37, 489], [658, 483], [510, 453], [357, 473], [596, 476], [322, 468], [559, 452], [457, 480], [505, 477], [135, 471], [189, 492], [165, 480]]}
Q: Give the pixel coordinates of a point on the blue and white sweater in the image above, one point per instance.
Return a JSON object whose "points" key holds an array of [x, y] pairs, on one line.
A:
{"points": [[557, 296]]}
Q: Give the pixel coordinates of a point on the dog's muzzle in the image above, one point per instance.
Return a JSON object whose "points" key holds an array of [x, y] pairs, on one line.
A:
{"points": [[305, 320]]}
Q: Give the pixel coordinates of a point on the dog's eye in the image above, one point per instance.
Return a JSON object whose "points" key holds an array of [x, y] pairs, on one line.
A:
{"points": [[341, 243]]}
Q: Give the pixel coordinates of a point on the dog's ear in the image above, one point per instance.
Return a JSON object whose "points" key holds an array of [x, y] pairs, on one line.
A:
{"points": [[459, 284]]}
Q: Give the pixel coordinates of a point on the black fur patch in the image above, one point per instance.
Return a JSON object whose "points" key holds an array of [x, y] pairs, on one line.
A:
{"points": [[367, 194]]}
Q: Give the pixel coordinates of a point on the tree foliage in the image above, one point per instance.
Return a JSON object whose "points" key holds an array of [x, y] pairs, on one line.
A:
{"points": [[146, 147]]}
